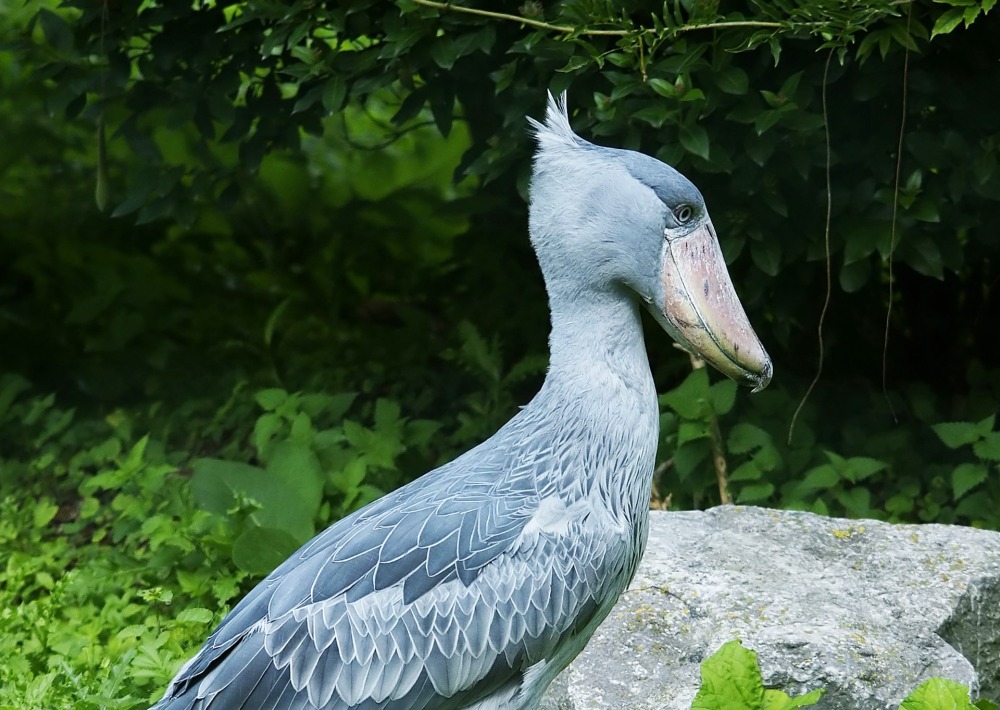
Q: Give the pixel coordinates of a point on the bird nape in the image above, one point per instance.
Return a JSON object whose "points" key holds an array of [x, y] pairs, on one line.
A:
{"points": [[476, 584]]}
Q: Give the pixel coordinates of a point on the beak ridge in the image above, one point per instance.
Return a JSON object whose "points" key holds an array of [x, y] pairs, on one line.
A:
{"points": [[704, 312]]}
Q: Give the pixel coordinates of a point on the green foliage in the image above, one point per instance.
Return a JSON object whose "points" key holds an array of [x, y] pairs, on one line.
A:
{"points": [[942, 694], [111, 575], [284, 303], [731, 680]]}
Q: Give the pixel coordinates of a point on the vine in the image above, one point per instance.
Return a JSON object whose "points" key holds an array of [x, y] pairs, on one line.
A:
{"points": [[892, 228], [826, 249]]}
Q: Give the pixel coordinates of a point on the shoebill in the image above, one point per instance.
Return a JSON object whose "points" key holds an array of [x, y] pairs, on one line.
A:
{"points": [[475, 585]]}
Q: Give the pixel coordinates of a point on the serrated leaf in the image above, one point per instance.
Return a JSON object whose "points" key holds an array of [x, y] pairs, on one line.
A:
{"points": [[264, 430], [744, 438], [779, 700], [857, 501], [858, 468], [730, 679], [690, 430], [722, 395], [938, 694], [746, 471], [956, 434], [692, 456], [689, 398], [988, 448], [965, 477], [820, 478]]}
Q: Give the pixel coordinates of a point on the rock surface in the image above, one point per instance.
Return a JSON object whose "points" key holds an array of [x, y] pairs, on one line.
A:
{"points": [[864, 609]]}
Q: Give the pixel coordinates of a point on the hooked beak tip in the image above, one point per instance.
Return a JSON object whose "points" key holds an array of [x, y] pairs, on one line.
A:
{"points": [[762, 379]]}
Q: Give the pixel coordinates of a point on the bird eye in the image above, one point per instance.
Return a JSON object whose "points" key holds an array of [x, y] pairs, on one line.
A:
{"points": [[683, 214]]}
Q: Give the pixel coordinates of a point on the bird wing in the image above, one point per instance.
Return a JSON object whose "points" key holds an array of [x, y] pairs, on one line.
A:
{"points": [[431, 593]]}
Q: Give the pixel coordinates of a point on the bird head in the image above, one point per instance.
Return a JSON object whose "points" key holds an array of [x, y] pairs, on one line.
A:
{"points": [[629, 221]]}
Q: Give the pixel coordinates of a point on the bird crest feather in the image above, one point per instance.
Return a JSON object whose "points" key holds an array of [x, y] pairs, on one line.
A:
{"points": [[555, 131]]}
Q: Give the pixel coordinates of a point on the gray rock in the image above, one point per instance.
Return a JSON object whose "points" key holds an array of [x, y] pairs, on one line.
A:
{"points": [[864, 609]]}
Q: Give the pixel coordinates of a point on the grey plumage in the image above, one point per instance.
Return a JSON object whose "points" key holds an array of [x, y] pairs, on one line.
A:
{"points": [[473, 586]]}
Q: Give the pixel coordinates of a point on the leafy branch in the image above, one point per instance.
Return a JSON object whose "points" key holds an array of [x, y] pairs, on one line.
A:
{"points": [[566, 29]]}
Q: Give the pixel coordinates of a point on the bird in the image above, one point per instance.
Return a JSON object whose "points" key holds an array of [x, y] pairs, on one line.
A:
{"points": [[473, 586]]}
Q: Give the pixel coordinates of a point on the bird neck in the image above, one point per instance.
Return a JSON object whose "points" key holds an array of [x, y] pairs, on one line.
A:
{"points": [[596, 342], [598, 405]]}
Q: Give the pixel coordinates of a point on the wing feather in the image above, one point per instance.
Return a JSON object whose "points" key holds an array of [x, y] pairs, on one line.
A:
{"points": [[428, 598]]}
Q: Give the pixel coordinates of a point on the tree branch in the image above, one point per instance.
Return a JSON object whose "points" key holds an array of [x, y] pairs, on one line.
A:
{"points": [[565, 29]]}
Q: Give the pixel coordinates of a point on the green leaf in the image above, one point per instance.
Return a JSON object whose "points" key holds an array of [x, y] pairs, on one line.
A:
{"points": [[195, 615], [271, 399], [755, 492], [57, 31], [655, 115], [302, 430], [663, 88], [575, 63], [334, 93], [258, 550], [938, 694], [854, 276], [779, 700], [444, 53], [957, 434], [766, 256], [856, 501], [765, 120], [274, 319], [947, 22], [730, 680], [820, 478], [264, 430], [43, 513], [858, 468], [288, 492], [965, 477], [988, 448], [694, 138], [722, 395], [745, 437], [689, 398], [691, 456], [732, 80], [692, 429], [746, 471]]}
